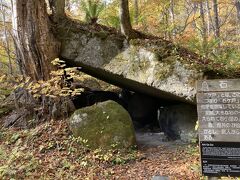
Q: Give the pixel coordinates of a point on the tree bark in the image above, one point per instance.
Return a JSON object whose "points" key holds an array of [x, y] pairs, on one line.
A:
{"points": [[136, 11], [126, 27], [35, 44], [203, 31], [7, 46], [209, 18], [216, 19], [58, 9], [195, 9], [172, 17], [237, 4]]}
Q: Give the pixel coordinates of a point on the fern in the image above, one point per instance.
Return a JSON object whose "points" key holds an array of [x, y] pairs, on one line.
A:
{"points": [[92, 10]]}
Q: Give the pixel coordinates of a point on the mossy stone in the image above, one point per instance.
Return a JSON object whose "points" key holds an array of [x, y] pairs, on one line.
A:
{"points": [[103, 125]]}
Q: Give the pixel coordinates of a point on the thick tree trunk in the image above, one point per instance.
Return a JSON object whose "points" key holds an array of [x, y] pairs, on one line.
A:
{"points": [[35, 44], [126, 27]]}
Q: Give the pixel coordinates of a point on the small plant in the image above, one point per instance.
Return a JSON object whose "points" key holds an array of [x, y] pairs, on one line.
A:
{"points": [[92, 10], [113, 21], [52, 97]]}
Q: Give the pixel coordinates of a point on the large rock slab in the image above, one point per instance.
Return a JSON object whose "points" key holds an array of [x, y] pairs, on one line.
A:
{"points": [[168, 74], [103, 125], [153, 66]]}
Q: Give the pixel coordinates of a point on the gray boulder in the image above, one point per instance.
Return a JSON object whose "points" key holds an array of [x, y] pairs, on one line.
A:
{"points": [[103, 125]]}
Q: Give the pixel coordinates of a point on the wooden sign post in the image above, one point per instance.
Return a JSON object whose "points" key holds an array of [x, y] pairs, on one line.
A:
{"points": [[218, 103]]}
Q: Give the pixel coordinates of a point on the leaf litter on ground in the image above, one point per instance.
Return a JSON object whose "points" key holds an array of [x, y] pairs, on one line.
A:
{"points": [[49, 151]]}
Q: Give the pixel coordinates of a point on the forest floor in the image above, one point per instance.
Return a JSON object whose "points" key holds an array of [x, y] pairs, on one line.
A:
{"points": [[50, 152]]}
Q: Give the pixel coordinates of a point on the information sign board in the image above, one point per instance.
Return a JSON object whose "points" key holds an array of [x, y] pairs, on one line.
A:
{"points": [[218, 104]]}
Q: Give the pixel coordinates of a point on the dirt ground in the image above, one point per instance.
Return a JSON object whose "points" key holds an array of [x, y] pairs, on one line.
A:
{"points": [[173, 159], [50, 152]]}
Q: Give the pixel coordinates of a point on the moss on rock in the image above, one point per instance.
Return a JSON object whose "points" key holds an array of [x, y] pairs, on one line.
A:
{"points": [[103, 125]]}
